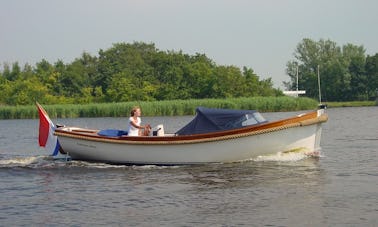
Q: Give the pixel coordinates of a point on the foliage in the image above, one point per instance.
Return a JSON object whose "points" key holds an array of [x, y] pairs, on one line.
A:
{"points": [[346, 72], [128, 72]]}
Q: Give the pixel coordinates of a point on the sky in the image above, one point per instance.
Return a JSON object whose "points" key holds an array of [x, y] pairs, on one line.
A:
{"points": [[259, 34]]}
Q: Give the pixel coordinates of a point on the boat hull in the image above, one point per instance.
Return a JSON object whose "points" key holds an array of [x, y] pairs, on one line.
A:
{"points": [[297, 136]]}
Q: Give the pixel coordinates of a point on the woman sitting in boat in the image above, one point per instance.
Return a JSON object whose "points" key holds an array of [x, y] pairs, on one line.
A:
{"points": [[135, 128]]}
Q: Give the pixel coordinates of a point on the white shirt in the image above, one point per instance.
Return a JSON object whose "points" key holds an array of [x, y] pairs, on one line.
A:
{"points": [[132, 131]]}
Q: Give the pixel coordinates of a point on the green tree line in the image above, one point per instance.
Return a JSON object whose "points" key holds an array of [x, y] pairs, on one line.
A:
{"points": [[129, 72], [346, 72]]}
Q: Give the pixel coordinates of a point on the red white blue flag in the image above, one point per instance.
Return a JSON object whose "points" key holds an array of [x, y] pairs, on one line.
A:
{"points": [[47, 139]]}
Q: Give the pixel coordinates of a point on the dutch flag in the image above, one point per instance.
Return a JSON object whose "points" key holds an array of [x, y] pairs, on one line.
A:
{"points": [[47, 139]]}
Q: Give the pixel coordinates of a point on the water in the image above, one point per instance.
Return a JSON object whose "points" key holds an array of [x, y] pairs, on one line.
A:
{"points": [[338, 189]]}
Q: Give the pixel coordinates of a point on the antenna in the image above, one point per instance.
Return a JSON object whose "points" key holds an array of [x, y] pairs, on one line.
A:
{"points": [[297, 92], [297, 79], [320, 106], [320, 93]]}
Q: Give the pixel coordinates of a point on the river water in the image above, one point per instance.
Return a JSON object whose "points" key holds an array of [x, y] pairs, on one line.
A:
{"points": [[340, 188]]}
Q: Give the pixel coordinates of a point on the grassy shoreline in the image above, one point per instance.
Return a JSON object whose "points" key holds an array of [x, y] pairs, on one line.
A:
{"points": [[351, 104], [158, 108], [171, 107]]}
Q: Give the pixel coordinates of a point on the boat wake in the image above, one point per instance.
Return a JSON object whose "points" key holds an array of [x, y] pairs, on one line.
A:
{"points": [[49, 162], [26, 161], [286, 157]]}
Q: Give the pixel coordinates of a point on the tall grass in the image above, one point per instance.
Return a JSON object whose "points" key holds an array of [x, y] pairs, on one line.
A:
{"points": [[158, 108], [352, 104]]}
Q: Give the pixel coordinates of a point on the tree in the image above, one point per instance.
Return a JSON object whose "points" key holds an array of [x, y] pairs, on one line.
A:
{"points": [[356, 61], [122, 88], [128, 72], [24, 92], [339, 69], [12, 74], [132, 57], [251, 82], [169, 75], [371, 69], [198, 77]]}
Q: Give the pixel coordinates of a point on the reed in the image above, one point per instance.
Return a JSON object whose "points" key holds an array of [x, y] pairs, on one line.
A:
{"points": [[351, 104], [159, 108]]}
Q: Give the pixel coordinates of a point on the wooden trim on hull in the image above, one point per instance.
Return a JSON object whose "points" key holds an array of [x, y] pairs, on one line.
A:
{"points": [[297, 121]]}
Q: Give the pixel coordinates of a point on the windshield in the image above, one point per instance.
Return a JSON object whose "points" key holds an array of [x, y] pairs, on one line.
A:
{"points": [[246, 120]]}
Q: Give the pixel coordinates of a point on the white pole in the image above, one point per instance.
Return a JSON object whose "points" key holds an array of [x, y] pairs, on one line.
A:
{"points": [[320, 93], [297, 79]]}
